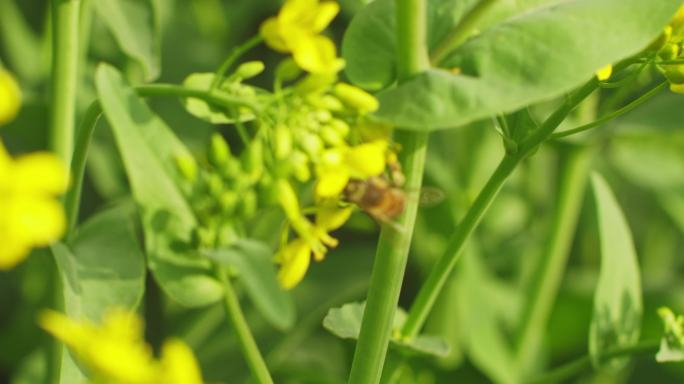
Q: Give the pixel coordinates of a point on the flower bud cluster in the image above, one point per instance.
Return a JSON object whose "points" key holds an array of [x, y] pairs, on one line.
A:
{"points": [[669, 46]]}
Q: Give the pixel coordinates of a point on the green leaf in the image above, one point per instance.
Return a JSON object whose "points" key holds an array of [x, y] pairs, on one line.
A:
{"points": [[103, 268], [135, 27], [616, 321], [369, 45], [205, 111], [528, 59], [253, 261], [147, 147], [345, 322]]}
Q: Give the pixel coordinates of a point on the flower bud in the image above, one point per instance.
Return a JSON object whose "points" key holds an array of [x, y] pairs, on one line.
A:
{"points": [[331, 136], [249, 69], [314, 83], [248, 204], [674, 73], [288, 70], [187, 167], [253, 160], [214, 184], [312, 144], [283, 142], [669, 52], [300, 166], [356, 98], [228, 200], [219, 151], [340, 126]]}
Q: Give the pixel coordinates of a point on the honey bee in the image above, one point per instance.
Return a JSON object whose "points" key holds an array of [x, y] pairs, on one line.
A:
{"points": [[378, 196]]}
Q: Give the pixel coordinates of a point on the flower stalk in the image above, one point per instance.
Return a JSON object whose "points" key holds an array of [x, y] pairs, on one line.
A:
{"points": [[393, 246]]}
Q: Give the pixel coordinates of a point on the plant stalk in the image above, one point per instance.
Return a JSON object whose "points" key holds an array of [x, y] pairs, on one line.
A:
{"points": [[440, 272], [574, 172], [393, 246], [248, 346]]}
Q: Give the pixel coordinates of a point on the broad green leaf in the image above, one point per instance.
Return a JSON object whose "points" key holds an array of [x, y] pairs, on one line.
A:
{"points": [[534, 57], [369, 45], [345, 322], [205, 111], [135, 27], [253, 261], [147, 147], [103, 268], [616, 321]]}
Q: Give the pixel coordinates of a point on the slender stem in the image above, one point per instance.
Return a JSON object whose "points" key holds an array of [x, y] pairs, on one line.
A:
{"points": [[232, 58], [249, 347], [440, 272], [627, 108], [567, 371], [217, 98], [65, 57], [461, 31], [393, 246], [575, 165]]}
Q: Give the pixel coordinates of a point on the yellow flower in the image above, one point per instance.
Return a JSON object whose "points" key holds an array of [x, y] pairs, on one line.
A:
{"points": [[115, 351], [10, 97], [297, 29], [604, 73], [31, 215], [339, 165]]}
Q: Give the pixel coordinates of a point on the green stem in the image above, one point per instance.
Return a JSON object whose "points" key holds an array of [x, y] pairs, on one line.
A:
{"points": [[627, 108], [65, 57], [232, 58], [393, 246], [216, 98], [461, 31], [548, 275], [249, 347], [442, 269], [583, 364]]}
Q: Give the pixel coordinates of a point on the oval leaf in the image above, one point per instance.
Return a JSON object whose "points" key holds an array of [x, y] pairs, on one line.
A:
{"points": [[528, 59], [616, 321], [147, 147], [253, 260]]}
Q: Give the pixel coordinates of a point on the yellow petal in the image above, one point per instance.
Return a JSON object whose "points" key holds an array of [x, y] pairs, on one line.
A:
{"points": [[677, 88], [178, 364], [317, 54], [325, 13], [36, 221], [295, 259], [70, 332], [270, 31], [40, 172], [604, 73], [331, 217], [10, 97], [331, 183], [367, 159], [12, 252]]}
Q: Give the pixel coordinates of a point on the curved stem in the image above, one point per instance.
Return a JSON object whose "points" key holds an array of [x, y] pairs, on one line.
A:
{"points": [[440, 272], [627, 108], [574, 172], [461, 31], [583, 364], [393, 246], [232, 58], [249, 347]]}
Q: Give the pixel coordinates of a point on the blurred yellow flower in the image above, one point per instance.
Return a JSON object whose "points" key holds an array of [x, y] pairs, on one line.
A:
{"points": [[115, 351], [338, 165], [297, 29], [10, 97], [31, 214]]}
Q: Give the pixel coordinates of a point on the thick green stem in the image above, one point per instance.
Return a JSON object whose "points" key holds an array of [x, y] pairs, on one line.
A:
{"points": [[249, 347], [574, 171], [65, 57], [393, 247], [583, 364], [461, 32], [232, 58], [441, 271]]}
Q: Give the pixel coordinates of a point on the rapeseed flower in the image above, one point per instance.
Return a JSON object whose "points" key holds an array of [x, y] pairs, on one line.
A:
{"points": [[339, 165], [10, 97], [31, 214], [115, 351], [297, 29]]}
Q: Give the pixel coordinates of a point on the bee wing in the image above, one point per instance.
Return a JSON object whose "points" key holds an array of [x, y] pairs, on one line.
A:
{"points": [[431, 196]]}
